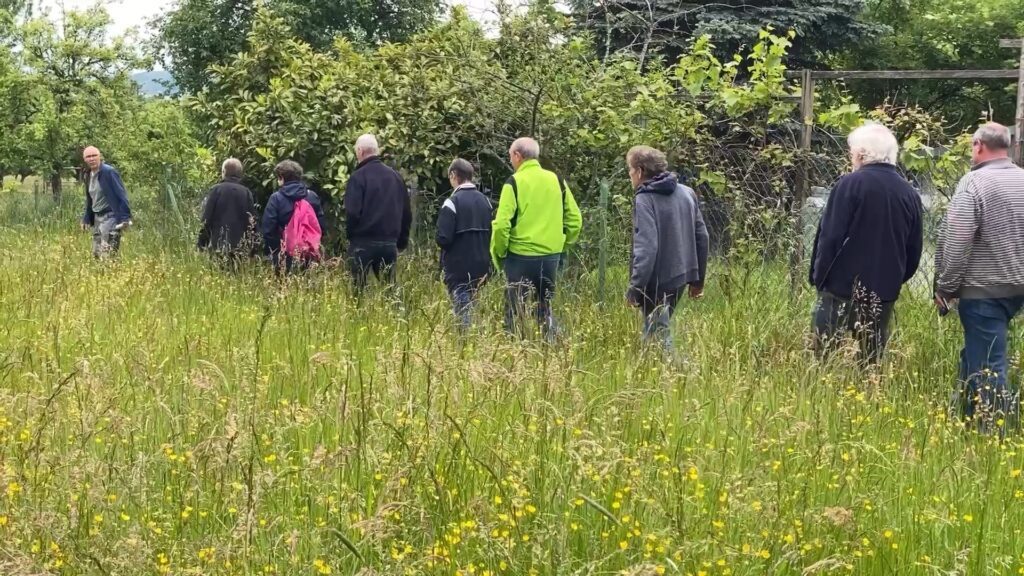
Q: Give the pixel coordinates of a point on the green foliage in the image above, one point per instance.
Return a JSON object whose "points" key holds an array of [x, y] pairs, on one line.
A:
{"points": [[67, 86], [201, 33], [941, 34], [161, 416]]}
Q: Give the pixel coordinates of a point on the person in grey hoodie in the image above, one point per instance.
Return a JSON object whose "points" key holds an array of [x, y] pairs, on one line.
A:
{"points": [[670, 243]]}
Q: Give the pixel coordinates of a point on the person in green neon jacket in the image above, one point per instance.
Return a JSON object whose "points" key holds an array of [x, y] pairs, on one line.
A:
{"points": [[537, 219]]}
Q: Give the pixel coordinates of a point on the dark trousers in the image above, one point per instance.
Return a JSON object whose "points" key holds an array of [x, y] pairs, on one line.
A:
{"points": [[285, 264], [984, 394], [866, 319], [530, 277], [364, 256]]}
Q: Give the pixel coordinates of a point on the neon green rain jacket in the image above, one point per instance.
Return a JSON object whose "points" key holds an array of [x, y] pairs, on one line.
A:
{"points": [[537, 215]]}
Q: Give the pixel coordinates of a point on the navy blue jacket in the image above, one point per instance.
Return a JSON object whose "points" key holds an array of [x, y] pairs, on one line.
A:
{"points": [[113, 189], [870, 234], [279, 211], [464, 235]]}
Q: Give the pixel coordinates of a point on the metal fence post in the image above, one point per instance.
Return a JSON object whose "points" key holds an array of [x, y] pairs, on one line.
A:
{"points": [[602, 258]]}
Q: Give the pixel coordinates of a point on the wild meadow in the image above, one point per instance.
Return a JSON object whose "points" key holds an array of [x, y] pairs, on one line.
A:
{"points": [[159, 415]]}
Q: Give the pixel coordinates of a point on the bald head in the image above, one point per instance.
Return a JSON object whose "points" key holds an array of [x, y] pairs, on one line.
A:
{"points": [[92, 157], [523, 149]]}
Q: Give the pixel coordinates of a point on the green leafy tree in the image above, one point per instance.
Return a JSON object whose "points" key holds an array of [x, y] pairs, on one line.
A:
{"points": [[83, 81], [200, 33]]}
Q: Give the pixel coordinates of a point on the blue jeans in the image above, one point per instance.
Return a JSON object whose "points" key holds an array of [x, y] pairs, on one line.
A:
{"points": [[463, 297], [657, 313], [984, 394], [531, 276]]}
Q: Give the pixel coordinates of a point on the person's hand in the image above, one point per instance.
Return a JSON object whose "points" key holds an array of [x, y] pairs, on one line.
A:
{"points": [[83, 225], [943, 304], [696, 292], [631, 298]]}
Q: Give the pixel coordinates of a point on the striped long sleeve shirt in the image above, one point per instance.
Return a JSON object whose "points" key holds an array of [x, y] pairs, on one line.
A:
{"points": [[981, 245]]}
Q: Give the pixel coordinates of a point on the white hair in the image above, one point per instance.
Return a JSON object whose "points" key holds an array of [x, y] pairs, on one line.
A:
{"points": [[367, 143], [528, 148], [875, 143]]}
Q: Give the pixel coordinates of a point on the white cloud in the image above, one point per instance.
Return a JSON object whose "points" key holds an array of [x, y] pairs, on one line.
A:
{"points": [[126, 14]]}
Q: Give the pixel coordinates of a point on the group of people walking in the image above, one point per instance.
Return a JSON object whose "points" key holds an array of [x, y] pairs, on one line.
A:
{"points": [[869, 242], [527, 236]]}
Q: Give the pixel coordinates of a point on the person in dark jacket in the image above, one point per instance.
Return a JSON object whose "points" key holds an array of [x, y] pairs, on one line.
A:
{"points": [[464, 235], [670, 243], [868, 245], [377, 215], [106, 205], [280, 207], [229, 214]]}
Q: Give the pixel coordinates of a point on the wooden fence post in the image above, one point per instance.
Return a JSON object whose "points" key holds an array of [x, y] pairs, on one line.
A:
{"points": [[1018, 149], [803, 182]]}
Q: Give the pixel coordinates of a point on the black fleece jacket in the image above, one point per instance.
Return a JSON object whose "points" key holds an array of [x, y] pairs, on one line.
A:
{"points": [[869, 236]]}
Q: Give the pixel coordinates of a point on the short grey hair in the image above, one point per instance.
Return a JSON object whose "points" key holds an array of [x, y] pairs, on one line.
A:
{"points": [[875, 143], [462, 170], [232, 168], [993, 136], [649, 161], [368, 143], [527, 147]]}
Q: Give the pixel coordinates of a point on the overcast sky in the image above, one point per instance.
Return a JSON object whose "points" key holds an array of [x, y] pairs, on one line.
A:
{"points": [[135, 13]]}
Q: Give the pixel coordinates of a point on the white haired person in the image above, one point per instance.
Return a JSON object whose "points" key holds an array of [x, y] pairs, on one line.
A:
{"points": [[378, 215], [980, 261], [868, 245], [229, 214], [106, 205]]}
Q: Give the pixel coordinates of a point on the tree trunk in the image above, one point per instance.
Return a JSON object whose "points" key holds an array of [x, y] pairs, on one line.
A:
{"points": [[56, 185]]}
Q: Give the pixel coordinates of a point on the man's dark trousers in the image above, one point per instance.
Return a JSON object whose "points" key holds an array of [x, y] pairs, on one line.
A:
{"points": [[530, 276], [367, 255], [867, 319]]}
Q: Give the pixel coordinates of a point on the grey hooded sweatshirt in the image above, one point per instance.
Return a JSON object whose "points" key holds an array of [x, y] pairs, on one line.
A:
{"points": [[670, 240]]}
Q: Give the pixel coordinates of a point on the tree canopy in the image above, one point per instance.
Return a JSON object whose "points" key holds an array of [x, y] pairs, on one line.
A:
{"points": [[200, 33], [666, 27], [941, 34]]}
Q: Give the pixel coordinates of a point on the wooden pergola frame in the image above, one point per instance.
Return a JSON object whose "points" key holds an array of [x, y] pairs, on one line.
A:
{"points": [[809, 77]]}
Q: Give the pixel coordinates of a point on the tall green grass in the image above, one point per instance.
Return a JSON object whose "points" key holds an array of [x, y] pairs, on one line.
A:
{"points": [[161, 416]]}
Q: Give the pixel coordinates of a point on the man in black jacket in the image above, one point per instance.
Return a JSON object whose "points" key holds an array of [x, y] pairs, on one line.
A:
{"points": [[868, 245], [464, 235], [377, 215], [229, 215]]}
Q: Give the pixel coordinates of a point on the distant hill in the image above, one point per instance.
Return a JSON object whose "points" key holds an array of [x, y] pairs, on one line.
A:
{"points": [[155, 83]]}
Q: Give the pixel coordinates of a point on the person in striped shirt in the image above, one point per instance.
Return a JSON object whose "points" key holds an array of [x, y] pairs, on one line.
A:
{"points": [[980, 261]]}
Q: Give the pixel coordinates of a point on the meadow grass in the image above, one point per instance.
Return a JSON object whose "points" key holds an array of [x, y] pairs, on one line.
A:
{"points": [[161, 416]]}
